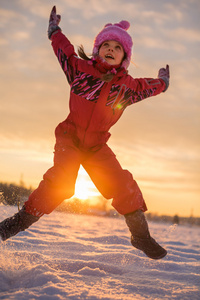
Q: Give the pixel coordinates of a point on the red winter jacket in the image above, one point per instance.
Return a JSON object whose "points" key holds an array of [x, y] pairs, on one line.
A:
{"points": [[96, 105]]}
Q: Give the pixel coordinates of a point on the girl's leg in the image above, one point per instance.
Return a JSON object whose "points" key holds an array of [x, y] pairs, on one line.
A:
{"points": [[58, 182], [57, 185], [114, 182]]}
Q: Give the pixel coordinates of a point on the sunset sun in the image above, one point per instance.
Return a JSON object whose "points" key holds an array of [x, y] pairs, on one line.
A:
{"points": [[84, 188]]}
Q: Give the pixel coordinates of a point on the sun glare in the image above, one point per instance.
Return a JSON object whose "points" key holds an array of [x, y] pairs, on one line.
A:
{"points": [[81, 190], [84, 188]]}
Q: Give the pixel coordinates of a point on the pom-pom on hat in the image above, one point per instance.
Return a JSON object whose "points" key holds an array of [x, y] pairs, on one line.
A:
{"points": [[117, 32]]}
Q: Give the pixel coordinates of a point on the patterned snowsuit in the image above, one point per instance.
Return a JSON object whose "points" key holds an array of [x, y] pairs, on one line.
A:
{"points": [[95, 106]]}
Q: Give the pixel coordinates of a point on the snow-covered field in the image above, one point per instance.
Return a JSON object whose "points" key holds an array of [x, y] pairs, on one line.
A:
{"points": [[67, 256]]}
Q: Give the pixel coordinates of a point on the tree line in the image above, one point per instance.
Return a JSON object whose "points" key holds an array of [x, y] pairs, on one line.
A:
{"points": [[13, 194]]}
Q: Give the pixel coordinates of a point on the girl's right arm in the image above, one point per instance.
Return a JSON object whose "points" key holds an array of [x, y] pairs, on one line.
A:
{"points": [[66, 55], [62, 47]]}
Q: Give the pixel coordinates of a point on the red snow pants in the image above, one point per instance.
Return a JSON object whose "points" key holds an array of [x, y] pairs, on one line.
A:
{"points": [[104, 170]]}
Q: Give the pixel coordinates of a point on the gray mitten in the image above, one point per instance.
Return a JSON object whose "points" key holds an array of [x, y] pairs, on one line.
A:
{"points": [[163, 73], [54, 20]]}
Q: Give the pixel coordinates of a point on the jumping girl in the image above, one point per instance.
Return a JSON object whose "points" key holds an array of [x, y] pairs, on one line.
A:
{"points": [[101, 90]]}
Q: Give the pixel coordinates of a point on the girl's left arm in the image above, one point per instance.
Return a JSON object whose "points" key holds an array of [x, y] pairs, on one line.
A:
{"points": [[147, 87]]}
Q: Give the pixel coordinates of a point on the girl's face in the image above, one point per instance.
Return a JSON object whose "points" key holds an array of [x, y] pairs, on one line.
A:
{"points": [[112, 52]]}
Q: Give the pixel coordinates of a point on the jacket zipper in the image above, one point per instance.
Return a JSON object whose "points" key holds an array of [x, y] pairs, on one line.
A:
{"points": [[102, 91]]}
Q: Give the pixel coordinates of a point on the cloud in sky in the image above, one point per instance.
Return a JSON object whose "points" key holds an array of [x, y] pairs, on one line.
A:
{"points": [[157, 139]]}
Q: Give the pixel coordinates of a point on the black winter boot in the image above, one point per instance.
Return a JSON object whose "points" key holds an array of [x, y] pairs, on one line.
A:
{"points": [[140, 236], [19, 222]]}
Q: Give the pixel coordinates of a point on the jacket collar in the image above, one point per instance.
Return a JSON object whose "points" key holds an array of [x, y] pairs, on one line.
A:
{"points": [[102, 66]]}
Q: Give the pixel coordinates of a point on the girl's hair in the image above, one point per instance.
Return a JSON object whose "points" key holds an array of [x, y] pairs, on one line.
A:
{"points": [[82, 54]]}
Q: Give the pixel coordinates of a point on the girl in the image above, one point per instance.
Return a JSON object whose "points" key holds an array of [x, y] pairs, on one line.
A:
{"points": [[101, 89]]}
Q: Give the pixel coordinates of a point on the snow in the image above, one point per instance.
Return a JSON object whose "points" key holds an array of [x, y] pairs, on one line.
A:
{"points": [[68, 256]]}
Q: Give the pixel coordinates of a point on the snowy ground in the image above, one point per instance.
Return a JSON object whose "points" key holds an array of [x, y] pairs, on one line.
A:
{"points": [[85, 257]]}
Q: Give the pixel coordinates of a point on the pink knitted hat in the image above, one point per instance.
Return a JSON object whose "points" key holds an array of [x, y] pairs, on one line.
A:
{"points": [[117, 32]]}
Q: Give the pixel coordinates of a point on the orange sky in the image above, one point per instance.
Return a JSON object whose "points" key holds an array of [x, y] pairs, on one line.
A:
{"points": [[158, 139]]}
